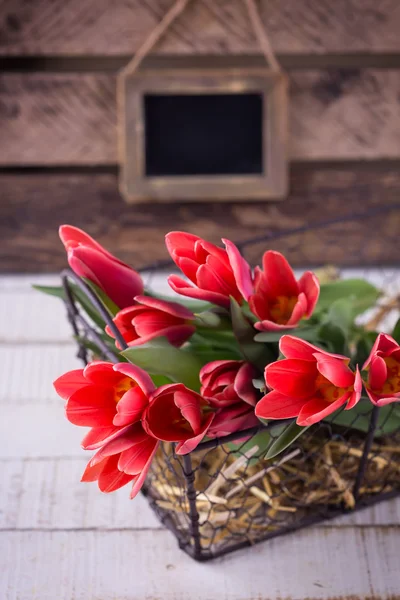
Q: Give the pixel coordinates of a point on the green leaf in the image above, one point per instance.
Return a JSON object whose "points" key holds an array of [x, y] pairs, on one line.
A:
{"points": [[258, 354], [51, 290], [102, 296], [196, 306], [214, 339], [158, 357], [340, 314], [310, 334], [361, 293], [208, 319], [290, 434], [333, 337]]}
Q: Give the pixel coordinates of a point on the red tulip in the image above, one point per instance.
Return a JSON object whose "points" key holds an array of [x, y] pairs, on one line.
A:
{"points": [[227, 382], [111, 400], [309, 384], [89, 259], [383, 367], [235, 417], [125, 458], [228, 386], [151, 318], [104, 397], [279, 301], [177, 414], [216, 273]]}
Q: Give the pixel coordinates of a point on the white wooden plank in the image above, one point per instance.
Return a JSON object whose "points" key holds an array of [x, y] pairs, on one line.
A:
{"points": [[148, 565], [28, 371], [48, 494], [38, 431], [32, 316]]}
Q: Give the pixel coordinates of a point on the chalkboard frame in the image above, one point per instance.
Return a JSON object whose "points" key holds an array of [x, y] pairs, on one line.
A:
{"points": [[136, 186]]}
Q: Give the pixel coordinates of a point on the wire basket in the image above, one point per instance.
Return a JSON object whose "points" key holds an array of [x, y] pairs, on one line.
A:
{"points": [[224, 495]]}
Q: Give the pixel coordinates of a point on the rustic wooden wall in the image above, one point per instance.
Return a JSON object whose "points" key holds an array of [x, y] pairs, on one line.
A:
{"points": [[58, 123]]}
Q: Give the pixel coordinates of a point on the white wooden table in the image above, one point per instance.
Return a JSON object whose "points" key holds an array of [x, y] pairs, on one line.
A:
{"points": [[63, 540]]}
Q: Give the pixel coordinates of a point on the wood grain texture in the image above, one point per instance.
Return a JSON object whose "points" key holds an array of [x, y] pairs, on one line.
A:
{"points": [[33, 206], [98, 27], [147, 565], [47, 494], [63, 119]]}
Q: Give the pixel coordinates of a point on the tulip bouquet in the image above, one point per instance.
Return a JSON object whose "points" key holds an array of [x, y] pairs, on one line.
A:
{"points": [[238, 359]]}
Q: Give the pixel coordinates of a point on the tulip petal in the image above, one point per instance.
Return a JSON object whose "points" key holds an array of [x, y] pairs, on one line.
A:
{"points": [[180, 240], [279, 275], [68, 383], [377, 373], [299, 310], [292, 377], [275, 405], [293, 347], [388, 400], [267, 325], [356, 394], [209, 278], [309, 285], [102, 373], [118, 281], [189, 267], [140, 479], [138, 375], [128, 437], [317, 409], [180, 286], [233, 418], [189, 405], [73, 237], [131, 406], [91, 473], [243, 384], [111, 478], [91, 406], [335, 370], [98, 436], [134, 459], [241, 269], [186, 446]]}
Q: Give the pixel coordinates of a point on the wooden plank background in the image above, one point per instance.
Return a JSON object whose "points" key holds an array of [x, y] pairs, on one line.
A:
{"points": [[64, 119], [58, 158], [101, 27], [35, 205]]}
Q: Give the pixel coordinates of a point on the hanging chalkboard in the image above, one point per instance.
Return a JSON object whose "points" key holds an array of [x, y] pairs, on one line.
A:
{"points": [[202, 135]]}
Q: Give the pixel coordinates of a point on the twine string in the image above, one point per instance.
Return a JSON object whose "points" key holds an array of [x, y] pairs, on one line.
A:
{"points": [[177, 9]]}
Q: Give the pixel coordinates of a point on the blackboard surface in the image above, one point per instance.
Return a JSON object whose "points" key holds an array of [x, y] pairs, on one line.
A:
{"points": [[203, 134]]}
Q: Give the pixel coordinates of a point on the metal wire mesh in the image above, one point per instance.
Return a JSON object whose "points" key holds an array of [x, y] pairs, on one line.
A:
{"points": [[225, 494]]}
